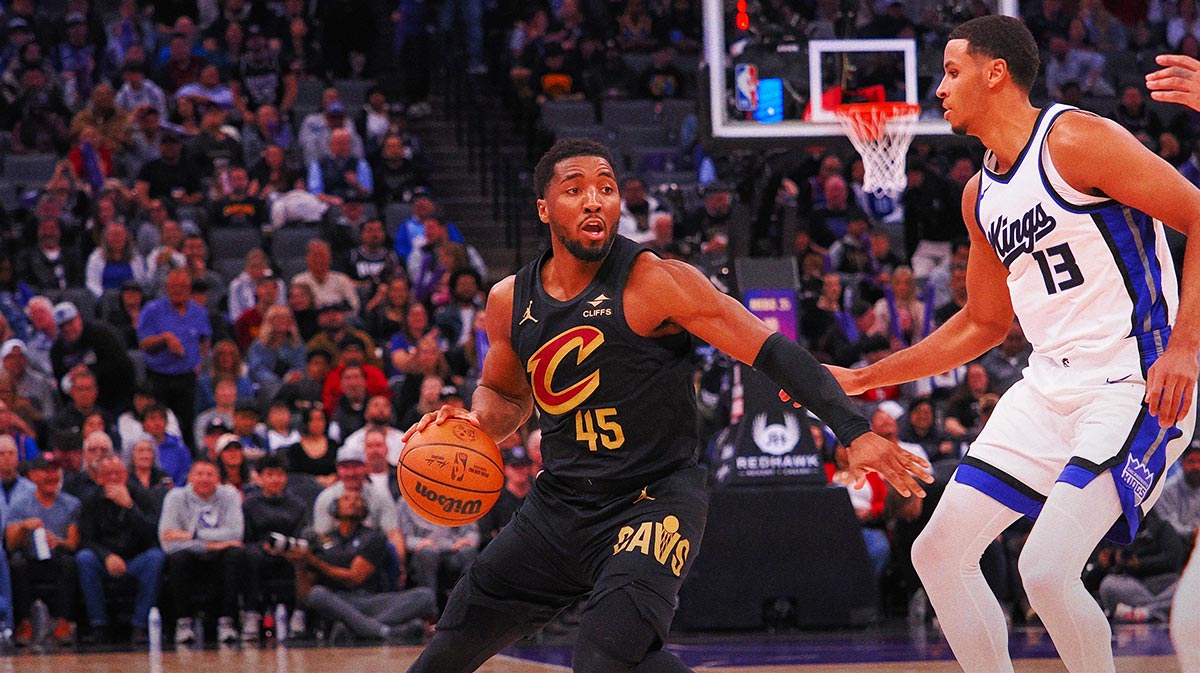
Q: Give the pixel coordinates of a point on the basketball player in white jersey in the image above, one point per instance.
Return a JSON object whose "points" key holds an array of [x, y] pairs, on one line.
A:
{"points": [[1065, 226], [1179, 82]]}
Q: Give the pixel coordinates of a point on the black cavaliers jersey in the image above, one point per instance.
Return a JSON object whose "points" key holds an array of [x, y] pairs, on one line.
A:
{"points": [[615, 406]]}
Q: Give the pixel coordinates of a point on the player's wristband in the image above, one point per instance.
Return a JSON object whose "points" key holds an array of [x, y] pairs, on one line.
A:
{"points": [[811, 384]]}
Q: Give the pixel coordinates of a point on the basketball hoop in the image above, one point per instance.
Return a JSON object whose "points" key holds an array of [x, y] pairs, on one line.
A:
{"points": [[881, 132]]}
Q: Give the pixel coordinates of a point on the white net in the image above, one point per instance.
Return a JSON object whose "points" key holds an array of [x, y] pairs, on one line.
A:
{"points": [[881, 132]]}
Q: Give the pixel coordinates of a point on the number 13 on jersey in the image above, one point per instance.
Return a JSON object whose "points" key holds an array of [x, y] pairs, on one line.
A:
{"points": [[597, 427]]}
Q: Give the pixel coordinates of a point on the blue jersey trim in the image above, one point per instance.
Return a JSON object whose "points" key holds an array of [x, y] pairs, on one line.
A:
{"points": [[1132, 241], [1000, 486], [1006, 176]]}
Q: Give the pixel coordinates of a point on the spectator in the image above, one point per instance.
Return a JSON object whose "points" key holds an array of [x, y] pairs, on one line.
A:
{"points": [[437, 552], [352, 476], [334, 332], [1049, 23], [850, 254], [174, 333], [249, 323], [146, 478], [277, 355], [1183, 24], [1137, 117], [307, 392], [271, 176], [395, 173], [232, 466], [1179, 504], [958, 295], [181, 66], [42, 333], [317, 132], [220, 415], [378, 417], [638, 211], [129, 424], [245, 426], [1074, 63], [279, 431], [962, 409], [262, 77], [169, 177], [166, 256], [238, 208], [428, 360], [202, 290], [56, 515], [920, 427], [350, 413], [518, 480], [353, 355], [138, 92], [195, 254], [118, 530], [201, 531], [13, 486], [386, 310], [83, 392], [339, 174], [214, 150], [1006, 362], [339, 578], [371, 263], [1138, 582], [173, 456], [902, 314], [328, 286], [207, 90], [664, 79], [120, 310], [49, 266], [18, 415], [269, 512], [410, 235], [85, 483], [94, 346], [381, 475], [315, 453], [425, 265], [454, 320], [145, 141], [243, 289], [115, 261], [262, 131], [429, 398], [30, 383], [103, 116]]}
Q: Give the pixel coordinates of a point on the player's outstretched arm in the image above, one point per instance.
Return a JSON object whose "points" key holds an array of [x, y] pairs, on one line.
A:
{"points": [[1085, 150], [503, 400], [1177, 82], [979, 326], [673, 295]]}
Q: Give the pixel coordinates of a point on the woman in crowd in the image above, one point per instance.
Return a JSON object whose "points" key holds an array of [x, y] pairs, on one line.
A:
{"points": [[402, 347], [114, 261], [232, 466], [278, 355], [242, 288], [315, 453], [303, 303], [921, 427], [145, 476], [386, 312]]}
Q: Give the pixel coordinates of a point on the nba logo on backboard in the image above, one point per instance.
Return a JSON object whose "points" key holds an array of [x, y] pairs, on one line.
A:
{"points": [[745, 84]]}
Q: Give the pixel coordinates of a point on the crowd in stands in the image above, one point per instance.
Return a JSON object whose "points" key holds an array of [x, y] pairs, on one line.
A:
{"points": [[230, 288]]}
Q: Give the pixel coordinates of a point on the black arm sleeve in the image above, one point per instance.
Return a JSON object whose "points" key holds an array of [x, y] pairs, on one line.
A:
{"points": [[810, 384]]}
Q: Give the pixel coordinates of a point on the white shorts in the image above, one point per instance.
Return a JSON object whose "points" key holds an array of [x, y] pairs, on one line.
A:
{"points": [[1072, 422]]}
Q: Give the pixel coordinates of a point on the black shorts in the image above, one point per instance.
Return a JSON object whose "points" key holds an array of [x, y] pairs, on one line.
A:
{"points": [[561, 546]]}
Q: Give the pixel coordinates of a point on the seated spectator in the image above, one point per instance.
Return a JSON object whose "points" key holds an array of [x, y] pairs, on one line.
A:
{"points": [[109, 122], [455, 319], [1006, 362], [207, 89], [350, 413], [429, 398], [962, 420], [315, 453], [232, 466], [302, 301], [328, 286], [195, 254], [245, 426], [1075, 63], [280, 433], [353, 355], [238, 208], [277, 355], [85, 483], [94, 346], [1179, 504], [638, 211], [425, 266], [115, 261], [145, 144], [664, 79], [437, 553], [271, 177], [174, 457], [42, 332], [167, 255], [958, 295], [518, 480], [181, 66], [261, 131], [378, 417], [269, 511], [30, 384], [18, 416], [225, 363], [262, 76], [307, 392], [129, 424], [119, 533], [248, 324], [402, 346], [920, 427], [243, 290], [83, 393], [340, 175], [146, 478], [340, 578], [121, 310], [386, 310], [13, 486], [410, 235], [170, 177], [902, 313], [371, 263], [317, 131], [201, 531], [214, 149], [55, 515], [225, 396], [1137, 583], [49, 266], [1137, 117], [336, 333], [137, 91], [395, 173], [352, 477], [428, 360]]}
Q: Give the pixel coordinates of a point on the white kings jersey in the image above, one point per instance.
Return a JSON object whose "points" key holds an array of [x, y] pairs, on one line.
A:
{"points": [[1085, 272]]}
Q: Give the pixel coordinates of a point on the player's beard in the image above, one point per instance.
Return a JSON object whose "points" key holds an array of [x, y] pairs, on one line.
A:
{"points": [[585, 254]]}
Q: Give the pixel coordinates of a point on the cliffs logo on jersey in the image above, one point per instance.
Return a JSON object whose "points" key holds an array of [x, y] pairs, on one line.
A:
{"points": [[1013, 237], [659, 540], [544, 364]]}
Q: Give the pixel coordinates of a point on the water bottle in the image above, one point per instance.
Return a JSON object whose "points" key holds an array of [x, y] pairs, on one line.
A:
{"points": [[154, 630], [281, 623]]}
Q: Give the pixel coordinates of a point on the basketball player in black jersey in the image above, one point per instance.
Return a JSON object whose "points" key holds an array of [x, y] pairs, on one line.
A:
{"points": [[597, 335]]}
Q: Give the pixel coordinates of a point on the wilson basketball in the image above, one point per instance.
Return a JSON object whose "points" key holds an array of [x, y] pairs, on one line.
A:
{"points": [[451, 473]]}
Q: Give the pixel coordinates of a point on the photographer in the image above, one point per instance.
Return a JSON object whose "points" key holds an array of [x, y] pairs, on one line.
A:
{"points": [[339, 577], [273, 517]]}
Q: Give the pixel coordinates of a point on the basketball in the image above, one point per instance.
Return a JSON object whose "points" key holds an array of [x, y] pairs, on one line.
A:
{"points": [[451, 473]]}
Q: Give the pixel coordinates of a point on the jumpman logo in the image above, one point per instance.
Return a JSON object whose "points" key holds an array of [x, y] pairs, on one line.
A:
{"points": [[528, 314], [643, 496]]}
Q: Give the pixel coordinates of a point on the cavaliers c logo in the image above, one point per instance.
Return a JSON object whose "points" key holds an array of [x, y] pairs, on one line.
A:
{"points": [[545, 361]]}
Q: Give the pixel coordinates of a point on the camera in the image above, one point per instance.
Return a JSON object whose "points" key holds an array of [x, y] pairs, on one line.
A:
{"points": [[281, 544]]}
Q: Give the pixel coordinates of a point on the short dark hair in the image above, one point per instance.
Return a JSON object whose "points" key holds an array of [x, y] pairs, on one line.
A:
{"points": [[272, 461], [154, 409], [1006, 38], [565, 149]]}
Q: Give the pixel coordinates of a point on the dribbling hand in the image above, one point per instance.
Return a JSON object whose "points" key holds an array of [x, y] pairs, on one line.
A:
{"points": [[1177, 82], [441, 416], [872, 453]]}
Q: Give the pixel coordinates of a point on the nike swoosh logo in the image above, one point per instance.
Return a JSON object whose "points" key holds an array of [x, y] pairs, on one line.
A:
{"points": [[1123, 378], [985, 191]]}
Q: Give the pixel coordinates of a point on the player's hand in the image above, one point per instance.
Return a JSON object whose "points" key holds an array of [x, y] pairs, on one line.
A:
{"points": [[1171, 384], [872, 453], [441, 416], [851, 380], [1177, 82]]}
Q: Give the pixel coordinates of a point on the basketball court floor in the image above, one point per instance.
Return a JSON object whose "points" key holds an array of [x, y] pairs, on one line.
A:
{"points": [[1140, 649]]}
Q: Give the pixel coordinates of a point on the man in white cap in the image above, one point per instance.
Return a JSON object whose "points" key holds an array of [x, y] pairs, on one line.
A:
{"points": [[95, 346], [30, 384], [352, 476]]}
